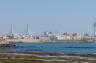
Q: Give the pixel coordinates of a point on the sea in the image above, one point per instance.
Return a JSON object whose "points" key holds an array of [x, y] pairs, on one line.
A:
{"points": [[68, 48]]}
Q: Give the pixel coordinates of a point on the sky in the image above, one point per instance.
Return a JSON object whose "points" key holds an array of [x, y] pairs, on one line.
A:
{"points": [[73, 16]]}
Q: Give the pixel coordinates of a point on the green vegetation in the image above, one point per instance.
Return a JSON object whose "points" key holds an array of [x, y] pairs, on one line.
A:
{"points": [[19, 58], [25, 61]]}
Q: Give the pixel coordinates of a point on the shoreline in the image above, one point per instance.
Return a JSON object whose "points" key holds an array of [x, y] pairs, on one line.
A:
{"points": [[53, 42], [48, 41]]}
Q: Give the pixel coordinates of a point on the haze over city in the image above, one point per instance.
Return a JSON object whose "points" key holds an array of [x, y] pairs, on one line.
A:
{"points": [[48, 31], [48, 15]]}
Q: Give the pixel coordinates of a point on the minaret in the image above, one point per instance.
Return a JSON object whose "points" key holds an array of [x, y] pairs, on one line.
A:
{"points": [[27, 30], [94, 26], [11, 30]]}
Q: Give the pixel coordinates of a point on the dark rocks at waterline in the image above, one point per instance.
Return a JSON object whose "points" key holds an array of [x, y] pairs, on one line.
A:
{"points": [[7, 45]]}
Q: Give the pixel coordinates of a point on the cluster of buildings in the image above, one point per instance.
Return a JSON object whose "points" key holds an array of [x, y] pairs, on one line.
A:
{"points": [[47, 36], [67, 36]]}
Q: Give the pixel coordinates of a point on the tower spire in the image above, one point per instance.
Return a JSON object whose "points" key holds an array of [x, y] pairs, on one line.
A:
{"points": [[94, 26], [27, 30], [11, 29]]}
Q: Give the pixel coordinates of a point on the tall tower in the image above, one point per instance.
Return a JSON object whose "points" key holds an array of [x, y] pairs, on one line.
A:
{"points": [[11, 32], [27, 30], [94, 26]]}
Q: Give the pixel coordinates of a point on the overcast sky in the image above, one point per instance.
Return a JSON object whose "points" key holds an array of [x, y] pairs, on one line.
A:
{"points": [[74, 16]]}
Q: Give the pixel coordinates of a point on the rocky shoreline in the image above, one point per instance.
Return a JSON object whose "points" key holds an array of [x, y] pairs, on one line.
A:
{"points": [[36, 57]]}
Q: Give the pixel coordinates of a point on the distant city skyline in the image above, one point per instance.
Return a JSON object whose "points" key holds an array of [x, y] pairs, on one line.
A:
{"points": [[48, 15]]}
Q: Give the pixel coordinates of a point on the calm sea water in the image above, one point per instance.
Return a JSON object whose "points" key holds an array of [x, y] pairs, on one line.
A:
{"points": [[55, 47]]}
